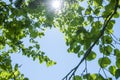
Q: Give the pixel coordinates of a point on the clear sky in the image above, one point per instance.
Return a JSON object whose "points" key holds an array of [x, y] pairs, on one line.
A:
{"points": [[53, 44]]}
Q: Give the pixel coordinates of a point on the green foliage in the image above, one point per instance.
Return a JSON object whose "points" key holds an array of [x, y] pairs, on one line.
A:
{"points": [[91, 56], [117, 73], [77, 77], [7, 71], [117, 53], [106, 50], [93, 77], [87, 76], [107, 40], [83, 26], [104, 62], [112, 70], [98, 2], [118, 63]]}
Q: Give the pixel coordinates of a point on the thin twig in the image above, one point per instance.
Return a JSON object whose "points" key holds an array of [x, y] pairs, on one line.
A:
{"points": [[86, 66], [104, 72]]}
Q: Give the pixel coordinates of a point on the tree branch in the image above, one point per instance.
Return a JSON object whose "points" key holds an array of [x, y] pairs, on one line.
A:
{"points": [[107, 20]]}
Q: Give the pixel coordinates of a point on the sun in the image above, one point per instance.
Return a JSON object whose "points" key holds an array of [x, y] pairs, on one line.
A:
{"points": [[56, 4]]}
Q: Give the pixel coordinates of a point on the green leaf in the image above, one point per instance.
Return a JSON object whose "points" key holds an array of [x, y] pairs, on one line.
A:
{"points": [[97, 11], [118, 63], [117, 53], [17, 73], [37, 46], [77, 77], [91, 56], [16, 67], [80, 53], [106, 39], [111, 24], [98, 2], [88, 11], [112, 70], [50, 63], [104, 62], [76, 50], [34, 34], [116, 15], [90, 18], [106, 50], [100, 77], [25, 79], [117, 73], [97, 76], [80, 9], [94, 76], [96, 26], [87, 76]]}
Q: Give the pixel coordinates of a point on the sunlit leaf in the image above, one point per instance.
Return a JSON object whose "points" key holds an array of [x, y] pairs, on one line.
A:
{"points": [[104, 62], [112, 70], [98, 2], [88, 11], [116, 15], [97, 76], [16, 73], [91, 56]]}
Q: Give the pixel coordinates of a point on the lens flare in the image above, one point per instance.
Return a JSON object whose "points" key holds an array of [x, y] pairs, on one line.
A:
{"points": [[56, 4]]}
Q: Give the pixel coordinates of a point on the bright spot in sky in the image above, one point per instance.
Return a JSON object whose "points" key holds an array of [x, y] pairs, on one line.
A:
{"points": [[56, 4]]}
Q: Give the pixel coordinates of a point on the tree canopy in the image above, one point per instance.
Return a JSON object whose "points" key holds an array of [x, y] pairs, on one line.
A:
{"points": [[85, 24]]}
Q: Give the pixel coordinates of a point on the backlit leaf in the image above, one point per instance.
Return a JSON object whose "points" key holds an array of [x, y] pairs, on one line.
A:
{"points": [[91, 56], [104, 62], [112, 70], [98, 2]]}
